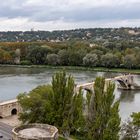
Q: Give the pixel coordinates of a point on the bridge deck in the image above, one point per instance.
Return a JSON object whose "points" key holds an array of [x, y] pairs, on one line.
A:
{"points": [[8, 102], [91, 83]]}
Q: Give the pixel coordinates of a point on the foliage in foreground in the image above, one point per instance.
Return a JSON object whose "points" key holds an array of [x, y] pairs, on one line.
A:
{"points": [[55, 104], [58, 104], [103, 116]]}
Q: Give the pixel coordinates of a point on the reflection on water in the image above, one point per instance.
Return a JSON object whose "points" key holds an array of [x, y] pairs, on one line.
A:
{"points": [[128, 95], [129, 102], [17, 80]]}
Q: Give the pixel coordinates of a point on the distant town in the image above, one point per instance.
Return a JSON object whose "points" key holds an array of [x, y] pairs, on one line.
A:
{"points": [[96, 34]]}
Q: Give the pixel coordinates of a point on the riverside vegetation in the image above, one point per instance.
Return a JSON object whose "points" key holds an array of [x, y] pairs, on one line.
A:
{"points": [[123, 54], [94, 117]]}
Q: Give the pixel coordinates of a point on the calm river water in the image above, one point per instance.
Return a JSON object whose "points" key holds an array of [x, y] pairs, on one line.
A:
{"points": [[18, 80]]}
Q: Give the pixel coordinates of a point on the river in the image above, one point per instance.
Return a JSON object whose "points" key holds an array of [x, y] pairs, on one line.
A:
{"points": [[15, 80]]}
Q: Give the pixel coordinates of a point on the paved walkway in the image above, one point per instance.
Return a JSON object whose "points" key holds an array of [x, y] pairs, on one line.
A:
{"points": [[12, 120], [5, 131]]}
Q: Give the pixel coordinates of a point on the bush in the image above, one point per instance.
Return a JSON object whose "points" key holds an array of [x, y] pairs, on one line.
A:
{"points": [[25, 62]]}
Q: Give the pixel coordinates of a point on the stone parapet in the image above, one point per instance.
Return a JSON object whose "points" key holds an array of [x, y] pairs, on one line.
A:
{"points": [[35, 132]]}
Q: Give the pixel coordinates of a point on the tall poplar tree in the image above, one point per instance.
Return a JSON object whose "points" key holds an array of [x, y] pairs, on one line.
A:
{"points": [[103, 116], [67, 105]]}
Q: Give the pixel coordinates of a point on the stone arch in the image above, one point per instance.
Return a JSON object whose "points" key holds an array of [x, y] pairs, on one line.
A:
{"points": [[14, 111], [88, 90]]}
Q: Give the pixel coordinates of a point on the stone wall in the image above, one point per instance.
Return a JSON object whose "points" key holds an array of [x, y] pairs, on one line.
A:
{"points": [[52, 132], [9, 108]]}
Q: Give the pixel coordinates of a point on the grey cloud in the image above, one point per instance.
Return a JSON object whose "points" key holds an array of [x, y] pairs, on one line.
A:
{"points": [[45, 13], [13, 13], [17, 8], [91, 14]]}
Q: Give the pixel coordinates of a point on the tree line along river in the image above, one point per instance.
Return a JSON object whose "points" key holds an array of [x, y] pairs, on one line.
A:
{"points": [[15, 80]]}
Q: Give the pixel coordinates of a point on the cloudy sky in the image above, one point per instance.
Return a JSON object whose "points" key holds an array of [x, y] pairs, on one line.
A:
{"points": [[68, 14]]}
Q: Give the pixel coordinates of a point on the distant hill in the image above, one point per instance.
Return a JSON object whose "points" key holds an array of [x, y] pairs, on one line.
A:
{"points": [[92, 34]]}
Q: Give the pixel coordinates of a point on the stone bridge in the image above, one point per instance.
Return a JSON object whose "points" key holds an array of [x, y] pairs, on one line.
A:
{"points": [[12, 107], [127, 82], [9, 108], [90, 86]]}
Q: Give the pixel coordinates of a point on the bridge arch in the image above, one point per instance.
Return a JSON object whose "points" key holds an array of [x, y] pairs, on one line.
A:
{"points": [[14, 111]]}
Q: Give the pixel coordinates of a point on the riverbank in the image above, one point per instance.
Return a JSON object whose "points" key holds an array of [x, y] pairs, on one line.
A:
{"points": [[99, 69]]}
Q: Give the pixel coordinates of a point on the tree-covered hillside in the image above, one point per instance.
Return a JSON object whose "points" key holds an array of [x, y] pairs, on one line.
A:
{"points": [[98, 47], [92, 34]]}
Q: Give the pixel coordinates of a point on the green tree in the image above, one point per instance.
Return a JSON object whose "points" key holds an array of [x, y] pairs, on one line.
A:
{"points": [[110, 60], [64, 57], [138, 58], [129, 51], [1, 55], [129, 61], [76, 56], [78, 120], [90, 60], [99, 53], [67, 113], [52, 59], [55, 104], [103, 116], [37, 55], [5, 56], [36, 105]]}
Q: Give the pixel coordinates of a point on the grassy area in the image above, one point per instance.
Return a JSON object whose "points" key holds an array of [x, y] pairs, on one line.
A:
{"points": [[61, 138], [77, 138], [119, 70], [101, 69]]}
